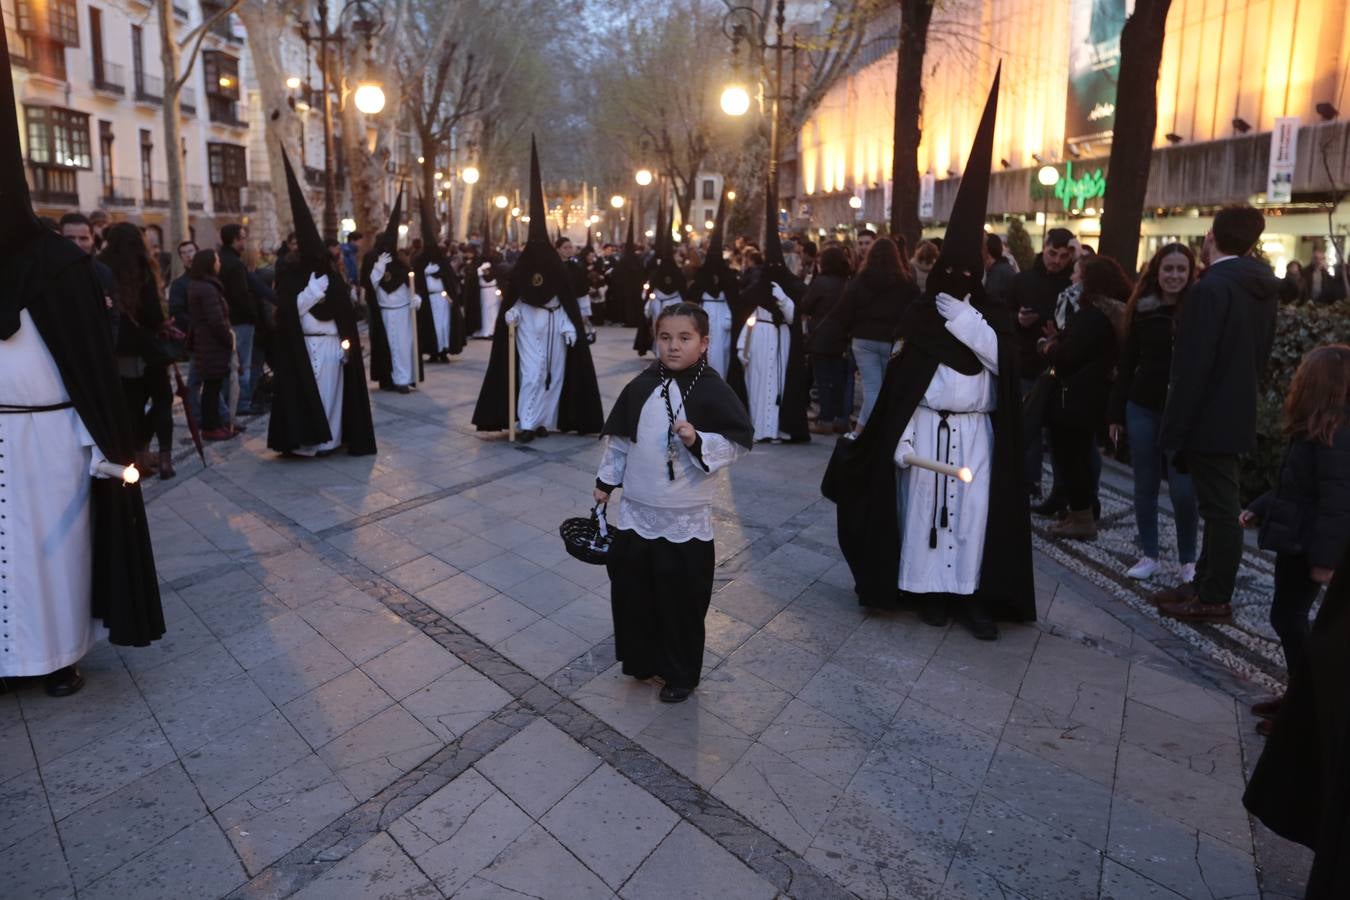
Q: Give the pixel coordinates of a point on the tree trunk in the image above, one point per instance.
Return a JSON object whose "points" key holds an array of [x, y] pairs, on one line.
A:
{"points": [[1141, 47], [365, 172], [173, 141], [281, 126], [915, 15]]}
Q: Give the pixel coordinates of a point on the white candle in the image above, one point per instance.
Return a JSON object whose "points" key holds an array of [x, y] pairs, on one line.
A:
{"points": [[128, 474], [961, 473]]}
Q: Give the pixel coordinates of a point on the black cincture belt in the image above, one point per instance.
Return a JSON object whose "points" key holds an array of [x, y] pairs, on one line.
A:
{"points": [[939, 480], [331, 334], [7, 409]]}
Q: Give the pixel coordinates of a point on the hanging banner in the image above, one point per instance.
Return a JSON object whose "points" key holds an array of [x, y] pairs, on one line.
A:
{"points": [[927, 190], [1283, 158], [1094, 68]]}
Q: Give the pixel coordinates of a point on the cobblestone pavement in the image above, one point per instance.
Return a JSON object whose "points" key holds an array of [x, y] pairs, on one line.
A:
{"points": [[385, 678]]}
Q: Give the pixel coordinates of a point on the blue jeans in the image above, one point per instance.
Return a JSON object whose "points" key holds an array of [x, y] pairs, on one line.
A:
{"points": [[243, 345], [194, 389], [872, 357], [850, 376], [1148, 459]]}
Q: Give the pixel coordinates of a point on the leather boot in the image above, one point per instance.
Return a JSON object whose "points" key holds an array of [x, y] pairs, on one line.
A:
{"points": [[1078, 525]]}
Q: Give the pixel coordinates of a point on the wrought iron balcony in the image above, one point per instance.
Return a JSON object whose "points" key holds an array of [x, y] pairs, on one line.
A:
{"points": [[120, 193], [109, 77], [149, 88], [156, 194], [196, 197]]}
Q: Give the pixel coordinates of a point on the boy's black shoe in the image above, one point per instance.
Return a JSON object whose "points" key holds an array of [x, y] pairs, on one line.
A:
{"points": [[672, 694], [524, 437], [933, 611], [541, 431], [981, 624], [63, 682]]}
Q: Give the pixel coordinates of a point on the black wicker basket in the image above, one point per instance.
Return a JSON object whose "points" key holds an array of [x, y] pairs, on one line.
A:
{"points": [[587, 538]]}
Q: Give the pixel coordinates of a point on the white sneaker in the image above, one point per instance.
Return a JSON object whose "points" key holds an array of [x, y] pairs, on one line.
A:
{"points": [[1186, 573], [1145, 568]]}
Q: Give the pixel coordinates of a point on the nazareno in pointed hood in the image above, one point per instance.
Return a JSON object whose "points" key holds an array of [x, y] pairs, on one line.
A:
{"points": [[629, 247], [312, 256], [714, 276], [389, 237], [18, 222], [960, 264], [539, 274], [666, 275], [396, 273], [313, 253]]}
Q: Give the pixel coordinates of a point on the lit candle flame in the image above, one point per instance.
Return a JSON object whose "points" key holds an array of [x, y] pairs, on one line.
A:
{"points": [[346, 344], [966, 475]]}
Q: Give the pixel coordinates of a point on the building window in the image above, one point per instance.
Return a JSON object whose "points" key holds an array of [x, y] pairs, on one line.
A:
{"points": [[222, 74], [105, 158], [708, 185], [55, 20], [228, 173], [708, 215], [58, 137], [147, 158]]}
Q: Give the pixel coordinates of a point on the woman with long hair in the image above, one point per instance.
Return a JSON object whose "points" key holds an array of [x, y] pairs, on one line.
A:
{"points": [[826, 341], [1137, 402], [141, 360], [870, 312], [212, 339]]}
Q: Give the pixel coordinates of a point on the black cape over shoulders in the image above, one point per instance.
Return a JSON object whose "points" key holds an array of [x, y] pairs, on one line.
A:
{"points": [[579, 410], [861, 476], [709, 406], [1300, 788], [62, 294]]}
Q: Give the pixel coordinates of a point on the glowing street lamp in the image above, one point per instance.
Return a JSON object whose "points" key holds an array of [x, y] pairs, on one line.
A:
{"points": [[293, 83], [731, 195], [855, 202], [643, 177], [515, 212], [735, 100], [500, 201], [709, 225], [470, 175], [616, 201], [1048, 176], [369, 98]]}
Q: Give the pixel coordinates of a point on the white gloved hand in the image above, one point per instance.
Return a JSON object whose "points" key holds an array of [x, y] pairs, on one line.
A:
{"points": [[431, 269], [569, 339], [779, 294], [381, 264], [416, 301], [950, 308], [512, 316], [485, 268], [317, 287]]}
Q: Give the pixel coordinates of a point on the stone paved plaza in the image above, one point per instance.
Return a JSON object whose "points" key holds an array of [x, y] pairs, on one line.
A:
{"points": [[384, 678]]}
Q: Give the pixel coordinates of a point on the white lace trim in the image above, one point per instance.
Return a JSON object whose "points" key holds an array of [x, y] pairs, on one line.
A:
{"points": [[675, 525]]}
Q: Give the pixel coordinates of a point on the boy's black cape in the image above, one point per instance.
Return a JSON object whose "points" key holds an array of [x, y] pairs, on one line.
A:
{"points": [[711, 406]]}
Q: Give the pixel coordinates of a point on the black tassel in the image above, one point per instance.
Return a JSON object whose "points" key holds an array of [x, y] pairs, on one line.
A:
{"points": [[944, 517], [932, 538], [548, 381], [670, 469]]}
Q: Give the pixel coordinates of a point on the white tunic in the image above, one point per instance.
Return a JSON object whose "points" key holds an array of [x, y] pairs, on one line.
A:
{"points": [[651, 504], [325, 358], [440, 314], [46, 541], [719, 332], [490, 303], [954, 565], [543, 335], [763, 350], [657, 302]]}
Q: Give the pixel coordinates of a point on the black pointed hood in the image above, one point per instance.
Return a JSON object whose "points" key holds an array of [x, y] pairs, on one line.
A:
{"points": [[389, 239], [963, 244], [666, 275], [396, 273], [18, 222], [313, 252], [714, 276], [539, 274], [629, 247]]}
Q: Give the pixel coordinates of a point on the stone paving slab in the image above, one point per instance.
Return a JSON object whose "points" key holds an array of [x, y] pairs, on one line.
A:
{"points": [[384, 678]]}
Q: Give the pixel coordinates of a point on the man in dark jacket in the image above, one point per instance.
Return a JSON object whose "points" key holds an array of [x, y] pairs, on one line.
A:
{"points": [[1224, 338], [998, 272], [243, 307]]}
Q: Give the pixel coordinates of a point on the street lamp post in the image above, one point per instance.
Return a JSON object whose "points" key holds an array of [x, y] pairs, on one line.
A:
{"points": [[735, 100], [1048, 176]]}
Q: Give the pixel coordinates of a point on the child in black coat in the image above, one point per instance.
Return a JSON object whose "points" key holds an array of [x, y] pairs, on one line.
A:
{"points": [[1305, 520]]}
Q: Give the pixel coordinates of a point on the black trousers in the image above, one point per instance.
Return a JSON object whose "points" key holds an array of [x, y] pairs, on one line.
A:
{"points": [[659, 595], [159, 420], [830, 373], [1072, 448], [1295, 592], [211, 403], [1218, 493]]}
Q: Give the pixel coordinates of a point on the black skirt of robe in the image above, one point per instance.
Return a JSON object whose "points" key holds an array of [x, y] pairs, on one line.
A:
{"points": [[381, 363], [58, 286], [1300, 788], [579, 409], [861, 480], [659, 596], [471, 299]]}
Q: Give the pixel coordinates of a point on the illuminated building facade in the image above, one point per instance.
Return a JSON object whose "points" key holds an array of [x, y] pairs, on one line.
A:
{"points": [[1233, 75]]}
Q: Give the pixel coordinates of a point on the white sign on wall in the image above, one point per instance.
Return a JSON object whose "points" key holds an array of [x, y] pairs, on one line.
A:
{"points": [[927, 190], [1283, 157]]}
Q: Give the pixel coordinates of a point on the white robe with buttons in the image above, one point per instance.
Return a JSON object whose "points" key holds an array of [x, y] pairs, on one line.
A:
{"points": [[954, 565], [489, 303], [763, 351], [46, 537], [719, 332], [440, 314], [397, 309], [542, 337]]}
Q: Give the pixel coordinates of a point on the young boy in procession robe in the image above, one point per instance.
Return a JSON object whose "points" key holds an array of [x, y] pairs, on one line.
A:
{"points": [[75, 559], [483, 288], [769, 345], [386, 277], [557, 388], [714, 288], [440, 326], [320, 400], [951, 396], [672, 431]]}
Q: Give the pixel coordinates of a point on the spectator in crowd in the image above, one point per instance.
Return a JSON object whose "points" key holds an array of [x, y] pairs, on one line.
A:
{"points": [[99, 221], [869, 314], [335, 255], [1224, 337], [925, 257], [1291, 288], [142, 362], [1321, 283], [212, 340], [863, 242], [1137, 402], [998, 271], [1305, 520], [826, 340], [1034, 295], [351, 252], [243, 311], [1081, 346]]}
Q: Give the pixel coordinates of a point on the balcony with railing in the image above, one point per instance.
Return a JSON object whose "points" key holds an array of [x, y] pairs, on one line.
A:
{"points": [[41, 56], [55, 185], [149, 88], [110, 78], [187, 101], [156, 194], [122, 192], [196, 197], [224, 111]]}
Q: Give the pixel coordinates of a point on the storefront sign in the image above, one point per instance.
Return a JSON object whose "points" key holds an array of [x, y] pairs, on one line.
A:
{"points": [[1075, 190], [1283, 157], [927, 190], [1094, 68]]}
